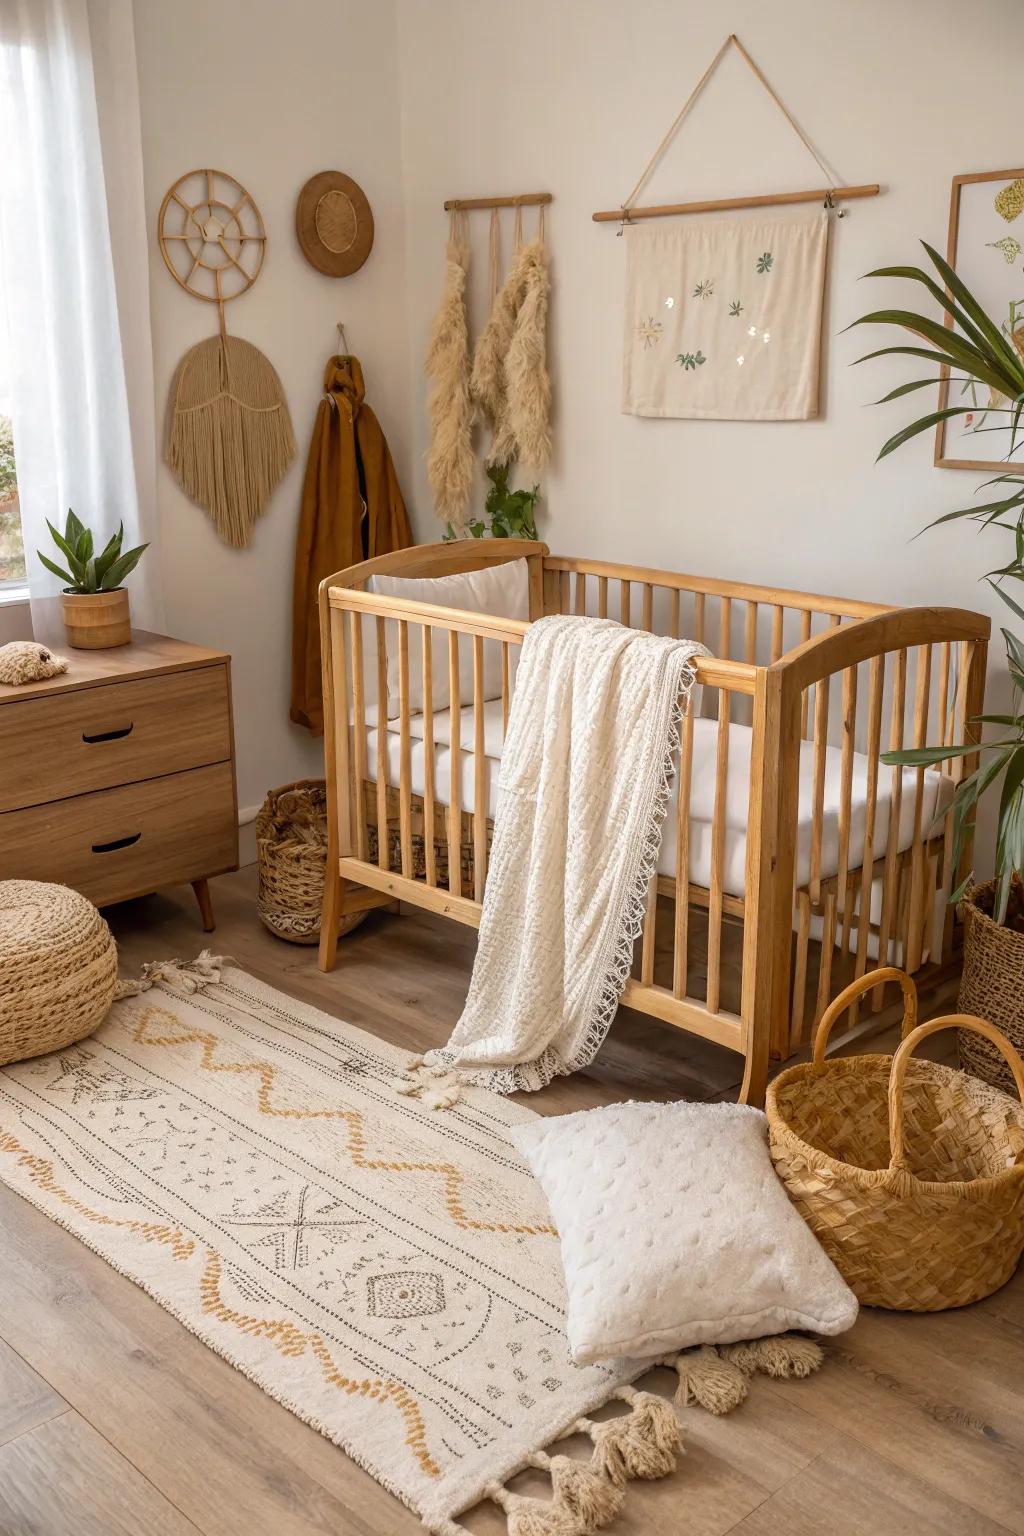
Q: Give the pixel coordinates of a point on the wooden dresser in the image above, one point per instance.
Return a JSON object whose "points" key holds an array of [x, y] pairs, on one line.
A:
{"points": [[119, 776]]}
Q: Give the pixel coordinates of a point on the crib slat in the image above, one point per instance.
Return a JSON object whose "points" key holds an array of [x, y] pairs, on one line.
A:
{"points": [[455, 758], [647, 620], [718, 854], [821, 694], [563, 592], [624, 609], [805, 634], [358, 730], [650, 925], [945, 714], [429, 849], [681, 925], [917, 899], [602, 597], [404, 752], [828, 944], [506, 691], [725, 628], [750, 633], [479, 773], [673, 612], [890, 878], [843, 885], [803, 934], [876, 683], [383, 767], [778, 616], [698, 617]]}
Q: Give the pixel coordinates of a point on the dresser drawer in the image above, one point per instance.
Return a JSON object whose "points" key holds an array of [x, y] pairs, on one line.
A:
{"points": [[116, 733], [117, 843]]}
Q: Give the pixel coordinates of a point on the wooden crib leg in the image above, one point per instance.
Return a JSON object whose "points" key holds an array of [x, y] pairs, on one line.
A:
{"points": [[330, 914]]}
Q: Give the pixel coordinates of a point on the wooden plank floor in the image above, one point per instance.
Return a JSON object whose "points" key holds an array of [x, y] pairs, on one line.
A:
{"points": [[114, 1419]]}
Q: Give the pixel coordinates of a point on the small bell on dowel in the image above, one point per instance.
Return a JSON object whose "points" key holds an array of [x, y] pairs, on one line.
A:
{"points": [[230, 437]]}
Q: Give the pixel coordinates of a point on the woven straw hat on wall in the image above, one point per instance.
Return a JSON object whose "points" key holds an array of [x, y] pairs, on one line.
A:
{"points": [[58, 961], [334, 224]]}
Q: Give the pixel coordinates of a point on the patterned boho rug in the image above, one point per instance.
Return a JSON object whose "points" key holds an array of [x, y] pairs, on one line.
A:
{"points": [[388, 1273]]}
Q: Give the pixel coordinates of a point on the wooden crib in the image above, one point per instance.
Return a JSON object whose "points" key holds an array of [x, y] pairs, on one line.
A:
{"points": [[853, 866]]}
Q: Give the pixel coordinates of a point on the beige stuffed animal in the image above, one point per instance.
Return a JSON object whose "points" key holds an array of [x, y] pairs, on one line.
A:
{"points": [[23, 661]]}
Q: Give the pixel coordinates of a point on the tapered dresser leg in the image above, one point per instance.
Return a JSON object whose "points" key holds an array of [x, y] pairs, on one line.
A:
{"points": [[205, 900]]}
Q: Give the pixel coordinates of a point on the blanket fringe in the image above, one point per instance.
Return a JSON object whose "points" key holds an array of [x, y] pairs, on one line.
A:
{"points": [[180, 975]]}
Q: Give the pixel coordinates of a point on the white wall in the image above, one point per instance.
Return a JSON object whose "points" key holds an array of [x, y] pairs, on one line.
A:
{"points": [[517, 95], [423, 99], [271, 93]]}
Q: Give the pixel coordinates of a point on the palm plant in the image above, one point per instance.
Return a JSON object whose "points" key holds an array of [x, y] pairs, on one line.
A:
{"points": [[976, 352]]}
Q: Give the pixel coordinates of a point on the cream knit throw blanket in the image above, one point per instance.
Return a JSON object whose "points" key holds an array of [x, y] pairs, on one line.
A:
{"points": [[585, 776]]}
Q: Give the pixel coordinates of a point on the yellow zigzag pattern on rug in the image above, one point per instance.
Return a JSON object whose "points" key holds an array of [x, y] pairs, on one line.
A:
{"points": [[267, 1072], [281, 1333]]}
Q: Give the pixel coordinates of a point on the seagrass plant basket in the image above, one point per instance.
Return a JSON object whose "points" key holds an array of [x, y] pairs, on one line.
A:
{"points": [[910, 1173], [992, 983], [291, 854]]}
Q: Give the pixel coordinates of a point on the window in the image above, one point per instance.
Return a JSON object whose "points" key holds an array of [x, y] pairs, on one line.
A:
{"points": [[12, 549]]}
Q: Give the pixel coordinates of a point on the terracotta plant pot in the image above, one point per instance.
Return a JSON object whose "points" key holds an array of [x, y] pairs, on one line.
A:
{"points": [[992, 985], [97, 621]]}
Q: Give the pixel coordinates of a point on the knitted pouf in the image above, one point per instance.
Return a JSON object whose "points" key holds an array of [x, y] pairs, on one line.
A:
{"points": [[58, 967]]}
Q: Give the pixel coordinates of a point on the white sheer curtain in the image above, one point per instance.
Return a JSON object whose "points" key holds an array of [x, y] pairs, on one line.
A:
{"points": [[75, 280]]}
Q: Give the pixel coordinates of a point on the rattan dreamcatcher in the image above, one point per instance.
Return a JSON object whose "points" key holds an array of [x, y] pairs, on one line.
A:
{"points": [[230, 436]]}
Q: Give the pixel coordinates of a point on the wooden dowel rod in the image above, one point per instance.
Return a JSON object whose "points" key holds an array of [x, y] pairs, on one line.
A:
{"points": [[524, 200], [714, 205]]}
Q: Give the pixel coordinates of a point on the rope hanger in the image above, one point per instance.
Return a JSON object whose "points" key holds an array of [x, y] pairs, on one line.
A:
{"points": [[830, 194]]}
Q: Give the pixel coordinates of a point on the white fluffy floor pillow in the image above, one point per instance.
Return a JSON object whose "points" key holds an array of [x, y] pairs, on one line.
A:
{"points": [[675, 1230]]}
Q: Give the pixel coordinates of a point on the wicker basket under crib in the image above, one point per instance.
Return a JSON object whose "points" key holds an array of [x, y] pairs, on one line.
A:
{"points": [[910, 1174], [438, 835], [291, 852]]}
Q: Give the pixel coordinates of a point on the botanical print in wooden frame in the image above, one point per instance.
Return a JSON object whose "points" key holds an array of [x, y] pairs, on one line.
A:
{"points": [[986, 249]]}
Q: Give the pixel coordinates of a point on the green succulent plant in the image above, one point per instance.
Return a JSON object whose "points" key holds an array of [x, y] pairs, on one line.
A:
{"points": [[977, 352], [87, 572]]}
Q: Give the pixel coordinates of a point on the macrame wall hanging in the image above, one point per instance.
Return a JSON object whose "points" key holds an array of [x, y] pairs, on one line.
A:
{"points": [[230, 437], [723, 319], [504, 383]]}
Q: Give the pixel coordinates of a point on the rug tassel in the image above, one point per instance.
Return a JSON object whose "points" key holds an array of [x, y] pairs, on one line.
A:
{"points": [[642, 1443], [715, 1384], [782, 1355], [185, 975], [716, 1378], [581, 1490]]}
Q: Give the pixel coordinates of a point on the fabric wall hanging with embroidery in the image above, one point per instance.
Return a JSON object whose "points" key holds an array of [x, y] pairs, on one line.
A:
{"points": [[723, 319]]}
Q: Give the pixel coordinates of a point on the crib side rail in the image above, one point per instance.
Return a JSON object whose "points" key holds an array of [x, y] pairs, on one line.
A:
{"points": [[870, 886], [396, 828]]}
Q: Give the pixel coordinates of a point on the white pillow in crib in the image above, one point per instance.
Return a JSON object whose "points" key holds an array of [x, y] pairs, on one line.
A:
{"points": [[676, 1231], [502, 590]]}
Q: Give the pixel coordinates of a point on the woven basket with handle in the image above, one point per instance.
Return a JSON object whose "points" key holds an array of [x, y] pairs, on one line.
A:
{"points": [[910, 1174]]}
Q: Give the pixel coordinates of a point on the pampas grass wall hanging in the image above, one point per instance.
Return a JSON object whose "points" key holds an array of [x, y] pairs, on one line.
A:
{"points": [[230, 437], [506, 386]]}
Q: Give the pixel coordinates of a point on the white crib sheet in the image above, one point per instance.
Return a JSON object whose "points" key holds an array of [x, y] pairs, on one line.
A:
{"points": [[936, 793]]}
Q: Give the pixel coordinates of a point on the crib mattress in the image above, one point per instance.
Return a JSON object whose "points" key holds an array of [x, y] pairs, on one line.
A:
{"points": [[936, 793]]}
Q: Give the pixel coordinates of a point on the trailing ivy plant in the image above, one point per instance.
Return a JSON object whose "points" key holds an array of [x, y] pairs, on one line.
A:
{"points": [[507, 514], [86, 571], [976, 352]]}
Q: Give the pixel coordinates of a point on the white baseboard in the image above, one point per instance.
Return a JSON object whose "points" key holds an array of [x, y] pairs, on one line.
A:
{"points": [[247, 834]]}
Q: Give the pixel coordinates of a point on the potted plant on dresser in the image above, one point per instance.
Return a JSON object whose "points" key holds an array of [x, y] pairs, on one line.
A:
{"points": [[94, 603], [979, 351]]}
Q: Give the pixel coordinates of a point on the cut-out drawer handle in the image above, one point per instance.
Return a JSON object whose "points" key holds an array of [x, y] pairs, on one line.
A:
{"points": [[119, 842], [118, 735]]}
